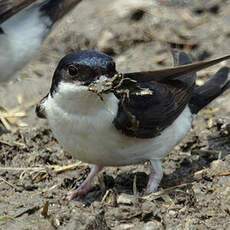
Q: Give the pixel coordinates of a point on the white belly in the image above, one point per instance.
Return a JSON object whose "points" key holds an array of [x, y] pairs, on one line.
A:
{"points": [[94, 139]]}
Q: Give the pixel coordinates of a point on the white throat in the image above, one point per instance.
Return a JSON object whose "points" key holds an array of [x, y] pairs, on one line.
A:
{"points": [[78, 99]]}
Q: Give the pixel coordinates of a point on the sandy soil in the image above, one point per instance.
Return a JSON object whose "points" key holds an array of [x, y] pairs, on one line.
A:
{"points": [[35, 173]]}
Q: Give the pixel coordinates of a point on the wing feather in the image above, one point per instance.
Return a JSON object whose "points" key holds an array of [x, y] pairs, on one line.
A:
{"points": [[174, 72], [10, 7], [146, 116]]}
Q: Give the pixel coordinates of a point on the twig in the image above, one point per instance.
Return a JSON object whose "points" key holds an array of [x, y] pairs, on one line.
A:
{"points": [[160, 193], [41, 172], [8, 183], [60, 169], [155, 195], [28, 211], [46, 190], [223, 174], [20, 169], [6, 143], [9, 116], [45, 210], [12, 144], [135, 185], [5, 123], [106, 195], [56, 168]]}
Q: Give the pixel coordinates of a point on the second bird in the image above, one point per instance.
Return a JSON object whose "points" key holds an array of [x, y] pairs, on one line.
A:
{"points": [[24, 26]]}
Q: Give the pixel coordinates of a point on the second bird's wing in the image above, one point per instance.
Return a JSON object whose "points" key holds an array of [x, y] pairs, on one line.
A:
{"points": [[10, 7]]}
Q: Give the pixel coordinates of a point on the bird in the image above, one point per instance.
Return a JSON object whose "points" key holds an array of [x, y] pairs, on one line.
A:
{"points": [[24, 25], [114, 129]]}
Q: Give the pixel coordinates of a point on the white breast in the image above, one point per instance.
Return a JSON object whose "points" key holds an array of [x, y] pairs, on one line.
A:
{"points": [[91, 136], [23, 35]]}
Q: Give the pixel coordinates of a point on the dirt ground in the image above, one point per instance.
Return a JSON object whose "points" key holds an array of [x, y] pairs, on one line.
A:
{"points": [[35, 173]]}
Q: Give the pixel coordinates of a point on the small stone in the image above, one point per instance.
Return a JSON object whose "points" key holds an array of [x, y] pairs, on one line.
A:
{"points": [[218, 166], [125, 227], [30, 187], [126, 199], [172, 213], [153, 225], [200, 174]]}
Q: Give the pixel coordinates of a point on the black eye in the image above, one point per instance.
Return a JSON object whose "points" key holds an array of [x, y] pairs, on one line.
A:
{"points": [[73, 70]]}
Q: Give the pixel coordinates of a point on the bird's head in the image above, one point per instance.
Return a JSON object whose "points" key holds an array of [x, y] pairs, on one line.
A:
{"points": [[73, 75], [78, 70]]}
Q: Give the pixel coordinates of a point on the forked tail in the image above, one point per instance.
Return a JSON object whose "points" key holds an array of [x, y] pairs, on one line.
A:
{"points": [[214, 87]]}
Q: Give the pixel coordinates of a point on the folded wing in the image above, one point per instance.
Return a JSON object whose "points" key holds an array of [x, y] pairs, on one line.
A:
{"points": [[147, 115]]}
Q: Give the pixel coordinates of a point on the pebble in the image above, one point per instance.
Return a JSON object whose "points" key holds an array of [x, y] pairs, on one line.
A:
{"points": [[126, 199]]}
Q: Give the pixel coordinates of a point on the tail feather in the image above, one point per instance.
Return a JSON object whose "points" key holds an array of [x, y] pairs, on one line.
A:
{"points": [[214, 87]]}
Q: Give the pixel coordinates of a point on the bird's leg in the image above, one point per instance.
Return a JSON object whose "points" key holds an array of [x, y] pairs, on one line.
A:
{"points": [[155, 176], [86, 185]]}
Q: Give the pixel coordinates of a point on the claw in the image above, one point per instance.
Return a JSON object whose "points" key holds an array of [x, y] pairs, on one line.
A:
{"points": [[86, 186]]}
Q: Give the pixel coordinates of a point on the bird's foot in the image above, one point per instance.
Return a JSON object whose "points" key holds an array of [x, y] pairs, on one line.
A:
{"points": [[154, 177], [152, 186], [86, 186], [81, 191]]}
